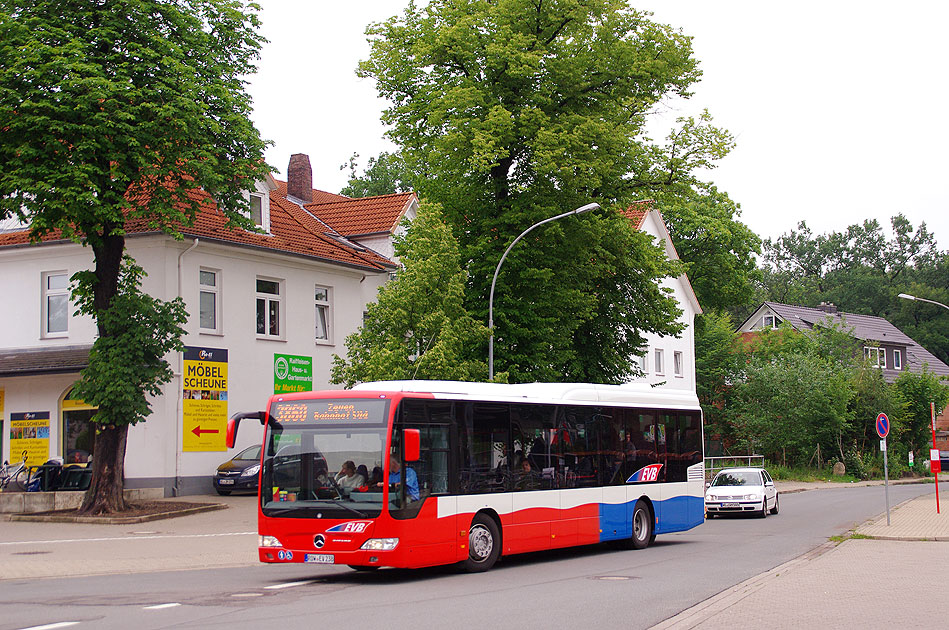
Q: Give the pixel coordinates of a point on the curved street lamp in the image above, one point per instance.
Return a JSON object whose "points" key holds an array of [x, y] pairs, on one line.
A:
{"points": [[580, 210], [907, 296]]}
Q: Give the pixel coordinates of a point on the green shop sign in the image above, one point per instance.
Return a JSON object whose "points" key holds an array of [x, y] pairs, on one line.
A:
{"points": [[292, 373]]}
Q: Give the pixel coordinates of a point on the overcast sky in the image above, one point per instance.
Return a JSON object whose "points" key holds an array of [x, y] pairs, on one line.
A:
{"points": [[838, 108]]}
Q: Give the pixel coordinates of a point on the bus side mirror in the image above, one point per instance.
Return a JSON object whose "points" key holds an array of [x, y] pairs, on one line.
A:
{"points": [[234, 422], [411, 439]]}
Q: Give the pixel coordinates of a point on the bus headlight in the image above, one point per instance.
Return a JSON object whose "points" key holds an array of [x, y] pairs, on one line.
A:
{"points": [[268, 541], [380, 544]]}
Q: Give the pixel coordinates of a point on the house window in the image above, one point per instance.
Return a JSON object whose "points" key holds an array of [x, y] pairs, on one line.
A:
{"points": [[660, 362], [321, 299], [256, 209], [55, 303], [876, 356], [770, 321], [677, 363], [268, 307], [897, 359], [259, 209], [210, 301]]}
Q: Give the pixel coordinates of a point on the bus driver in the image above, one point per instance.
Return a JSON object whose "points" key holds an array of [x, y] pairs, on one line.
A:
{"points": [[395, 478]]}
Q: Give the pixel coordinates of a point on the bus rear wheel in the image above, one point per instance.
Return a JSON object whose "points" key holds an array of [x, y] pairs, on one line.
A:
{"points": [[642, 527], [484, 544]]}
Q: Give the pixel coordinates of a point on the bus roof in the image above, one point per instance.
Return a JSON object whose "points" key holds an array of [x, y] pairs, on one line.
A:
{"points": [[638, 394]]}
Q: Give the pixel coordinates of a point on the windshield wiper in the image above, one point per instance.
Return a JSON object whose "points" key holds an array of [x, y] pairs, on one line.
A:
{"points": [[335, 504]]}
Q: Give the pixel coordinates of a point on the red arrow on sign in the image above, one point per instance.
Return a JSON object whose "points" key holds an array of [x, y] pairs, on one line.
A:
{"points": [[198, 430]]}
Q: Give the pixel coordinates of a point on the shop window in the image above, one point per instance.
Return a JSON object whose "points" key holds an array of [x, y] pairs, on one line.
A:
{"points": [[79, 432]]}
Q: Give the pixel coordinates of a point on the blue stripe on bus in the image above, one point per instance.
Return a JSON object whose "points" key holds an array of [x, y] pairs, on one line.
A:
{"points": [[676, 514]]}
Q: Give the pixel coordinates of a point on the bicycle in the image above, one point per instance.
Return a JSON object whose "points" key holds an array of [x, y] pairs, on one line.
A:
{"points": [[17, 474]]}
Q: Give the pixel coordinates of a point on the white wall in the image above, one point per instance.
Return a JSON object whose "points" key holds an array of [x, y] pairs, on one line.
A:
{"points": [[685, 343]]}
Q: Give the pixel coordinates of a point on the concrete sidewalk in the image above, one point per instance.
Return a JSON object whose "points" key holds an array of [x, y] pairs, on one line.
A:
{"points": [[895, 579], [220, 538]]}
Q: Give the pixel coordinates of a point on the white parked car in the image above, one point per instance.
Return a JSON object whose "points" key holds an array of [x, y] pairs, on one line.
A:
{"points": [[735, 490]]}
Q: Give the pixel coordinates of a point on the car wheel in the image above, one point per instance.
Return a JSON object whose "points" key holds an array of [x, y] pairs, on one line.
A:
{"points": [[764, 508], [223, 493], [484, 544], [774, 510]]}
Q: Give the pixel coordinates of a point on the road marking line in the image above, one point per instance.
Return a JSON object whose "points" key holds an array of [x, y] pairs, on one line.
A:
{"points": [[274, 587], [52, 626], [161, 606], [80, 540], [247, 595]]}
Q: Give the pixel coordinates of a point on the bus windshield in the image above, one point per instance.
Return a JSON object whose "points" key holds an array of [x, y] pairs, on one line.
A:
{"points": [[323, 458]]}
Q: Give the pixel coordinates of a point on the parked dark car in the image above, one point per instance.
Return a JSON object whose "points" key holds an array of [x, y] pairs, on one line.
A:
{"points": [[240, 473]]}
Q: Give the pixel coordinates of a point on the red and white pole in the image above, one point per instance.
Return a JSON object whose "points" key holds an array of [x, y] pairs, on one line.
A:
{"points": [[934, 464]]}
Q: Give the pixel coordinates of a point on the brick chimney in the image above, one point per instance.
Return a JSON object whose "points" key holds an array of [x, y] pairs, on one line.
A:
{"points": [[300, 177], [828, 307]]}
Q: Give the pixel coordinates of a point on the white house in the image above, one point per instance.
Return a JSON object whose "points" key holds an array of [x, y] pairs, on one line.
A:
{"points": [[279, 302], [669, 361]]}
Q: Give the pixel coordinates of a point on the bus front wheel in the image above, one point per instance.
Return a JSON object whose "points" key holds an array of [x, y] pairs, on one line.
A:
{"points": [[642, 527], [484, 544]]}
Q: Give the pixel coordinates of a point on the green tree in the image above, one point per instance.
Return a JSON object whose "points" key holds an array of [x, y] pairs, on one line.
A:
{"points": [[719, 363], [717, 249], [519, 110], [418, 328], [384, 175], [790, 404], [917, 391], [118, 110]]}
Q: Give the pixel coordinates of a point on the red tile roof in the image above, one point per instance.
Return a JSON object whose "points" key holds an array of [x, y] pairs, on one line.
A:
{"points": [[319, 196], [292, 230], [637, 212], [364, 216]]}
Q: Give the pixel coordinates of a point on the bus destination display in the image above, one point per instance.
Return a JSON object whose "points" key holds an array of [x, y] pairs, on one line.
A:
{"points": [[352, 411]]}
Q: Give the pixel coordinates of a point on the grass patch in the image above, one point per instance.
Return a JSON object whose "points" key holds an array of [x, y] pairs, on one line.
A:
{"points": [[787, 473], [851, 535]]}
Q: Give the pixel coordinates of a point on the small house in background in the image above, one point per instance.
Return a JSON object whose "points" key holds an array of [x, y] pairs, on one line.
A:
{"points": [[268, 309], [883, 344]]}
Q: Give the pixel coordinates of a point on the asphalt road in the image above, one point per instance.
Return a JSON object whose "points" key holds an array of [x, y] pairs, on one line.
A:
{"points": [[586, 587]]}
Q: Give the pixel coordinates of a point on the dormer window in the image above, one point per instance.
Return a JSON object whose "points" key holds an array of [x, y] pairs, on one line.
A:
{"points": [[259, 209], [770, 321], [876, 356], [897, 360]]}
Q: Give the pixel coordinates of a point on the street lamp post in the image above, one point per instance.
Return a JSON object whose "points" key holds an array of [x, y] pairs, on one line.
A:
{"points": [[907, 296], [580, 210]]}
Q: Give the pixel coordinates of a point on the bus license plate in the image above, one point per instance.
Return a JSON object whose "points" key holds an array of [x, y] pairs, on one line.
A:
{"points": [[319, 558]]}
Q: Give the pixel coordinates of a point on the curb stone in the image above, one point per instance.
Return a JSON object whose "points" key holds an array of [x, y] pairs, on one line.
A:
{"points": [[116, 520]]}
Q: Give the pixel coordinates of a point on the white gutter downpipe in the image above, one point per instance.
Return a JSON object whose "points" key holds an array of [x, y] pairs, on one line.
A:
{"points": [[175, 491]]}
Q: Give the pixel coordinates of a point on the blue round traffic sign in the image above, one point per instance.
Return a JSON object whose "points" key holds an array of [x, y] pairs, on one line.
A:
{"points": [[883, 425]]}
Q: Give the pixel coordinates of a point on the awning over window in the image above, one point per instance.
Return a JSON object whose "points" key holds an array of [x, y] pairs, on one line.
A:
{"points": [[37, 361]]}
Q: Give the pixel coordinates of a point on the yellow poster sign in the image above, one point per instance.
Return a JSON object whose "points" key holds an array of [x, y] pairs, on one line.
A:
{"points": [[204, 405], [29, 435]]}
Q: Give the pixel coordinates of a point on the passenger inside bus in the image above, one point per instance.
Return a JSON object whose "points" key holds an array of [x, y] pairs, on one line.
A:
{"points": [[348, 479]]}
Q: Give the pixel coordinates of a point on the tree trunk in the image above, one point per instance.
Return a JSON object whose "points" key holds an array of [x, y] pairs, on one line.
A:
{"points": [[105, 493]]}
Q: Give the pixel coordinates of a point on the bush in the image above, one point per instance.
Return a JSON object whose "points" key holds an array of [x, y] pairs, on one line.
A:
{"points": [[855, 464]]}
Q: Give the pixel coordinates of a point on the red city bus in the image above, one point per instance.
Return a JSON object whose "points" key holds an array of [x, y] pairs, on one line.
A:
{"points": [[489, 470]]}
